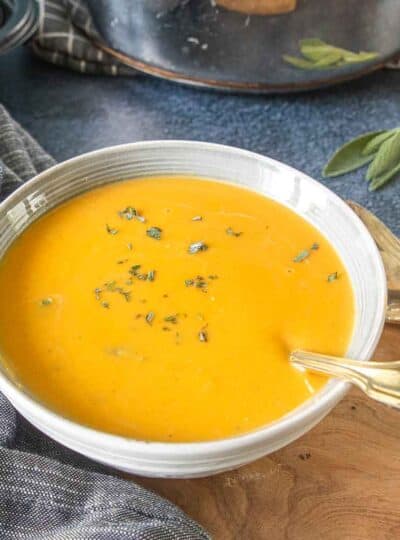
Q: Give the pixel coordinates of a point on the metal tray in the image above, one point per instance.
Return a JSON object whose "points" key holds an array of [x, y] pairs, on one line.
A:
{"points": [[197, 43]]}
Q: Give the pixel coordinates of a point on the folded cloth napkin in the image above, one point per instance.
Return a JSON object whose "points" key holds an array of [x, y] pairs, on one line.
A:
{"points": [[48, 492], [67, 36]]}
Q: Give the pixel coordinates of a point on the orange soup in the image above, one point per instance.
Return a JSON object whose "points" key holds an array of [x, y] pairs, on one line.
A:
{"points": [[164, 309]]}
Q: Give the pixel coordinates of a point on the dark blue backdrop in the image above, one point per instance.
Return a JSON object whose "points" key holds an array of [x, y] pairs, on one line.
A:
{"points": [[71, 113]]}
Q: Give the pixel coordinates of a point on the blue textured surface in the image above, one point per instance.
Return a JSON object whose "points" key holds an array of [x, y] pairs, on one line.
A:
{"points": [[70, 113]]}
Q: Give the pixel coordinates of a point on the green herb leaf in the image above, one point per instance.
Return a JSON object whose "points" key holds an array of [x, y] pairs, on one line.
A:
{"points": [[126, 294], [105, 305], [154, 232], [384, 178], [373, 146], [134, 269], [46, 301], [129, 246], [151, 275], [387, 158], [189, 282], [301, 256], [150, 317], [331, 59], [231, 232], [196, 247], [350, 156], [111, 230], [110, 285], [315, 246], [320, 55], [357, 58], [333, 277], [298, 62], [97, 293], [314, 49], [130, 213], [171, 319]]}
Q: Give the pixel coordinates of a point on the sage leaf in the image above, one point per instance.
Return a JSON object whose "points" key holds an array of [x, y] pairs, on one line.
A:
{"points": [[375, 143], [384, 178], [362, 56], [387, 158], [349, 156], [330, 59], [298, 62], [320, 55], [314, 49]]}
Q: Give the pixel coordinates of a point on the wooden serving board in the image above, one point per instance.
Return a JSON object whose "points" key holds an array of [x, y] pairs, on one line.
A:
{"points": [[340, 481]]}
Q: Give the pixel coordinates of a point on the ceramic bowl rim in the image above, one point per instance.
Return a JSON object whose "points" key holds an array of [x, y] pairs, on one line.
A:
{"points": [[327, 397]]}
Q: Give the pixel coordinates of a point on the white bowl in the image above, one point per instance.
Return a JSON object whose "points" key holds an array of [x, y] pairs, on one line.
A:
{"points": [[311, 200]]}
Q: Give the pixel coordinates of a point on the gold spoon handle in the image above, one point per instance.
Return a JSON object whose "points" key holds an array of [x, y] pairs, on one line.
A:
{"points": [[379, 380]]}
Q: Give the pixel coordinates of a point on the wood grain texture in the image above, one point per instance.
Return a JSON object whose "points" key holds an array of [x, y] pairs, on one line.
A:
{"points": [[340, 481]]}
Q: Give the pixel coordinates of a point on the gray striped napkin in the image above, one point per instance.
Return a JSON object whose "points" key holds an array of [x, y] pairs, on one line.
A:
{"points": [[67, 37]]}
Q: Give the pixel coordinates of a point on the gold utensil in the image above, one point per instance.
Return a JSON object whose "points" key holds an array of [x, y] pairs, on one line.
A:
{"points": [[379, 380], [389, 248]]}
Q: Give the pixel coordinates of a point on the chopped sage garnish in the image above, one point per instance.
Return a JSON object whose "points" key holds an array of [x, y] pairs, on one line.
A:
{"points": [[196, 247], [150, 317], [333, 277], [46, 301], [301, 256], [305, 253], [213, 276], [111, 230], [129, 246], [110, 285], [134, 269], [154, 232], [105, 305], [131, 213], [171, 319], [97, 293], [122, 261], [199, 282], [149, 276], [126, 294], [197, 218], [203, 336], [231, 232]]}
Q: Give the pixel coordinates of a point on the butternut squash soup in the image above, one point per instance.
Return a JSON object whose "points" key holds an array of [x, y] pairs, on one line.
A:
{"points": [[164, 309]]}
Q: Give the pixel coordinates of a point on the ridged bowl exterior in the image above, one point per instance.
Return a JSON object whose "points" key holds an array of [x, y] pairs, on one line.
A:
{"points": [[308, 198]]}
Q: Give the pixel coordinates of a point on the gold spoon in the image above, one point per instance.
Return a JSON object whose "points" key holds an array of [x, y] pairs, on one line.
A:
{"points": [[379, 380]]}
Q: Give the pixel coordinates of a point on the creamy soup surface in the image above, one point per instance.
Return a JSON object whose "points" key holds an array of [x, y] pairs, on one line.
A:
{"points": [[164, 309]]}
